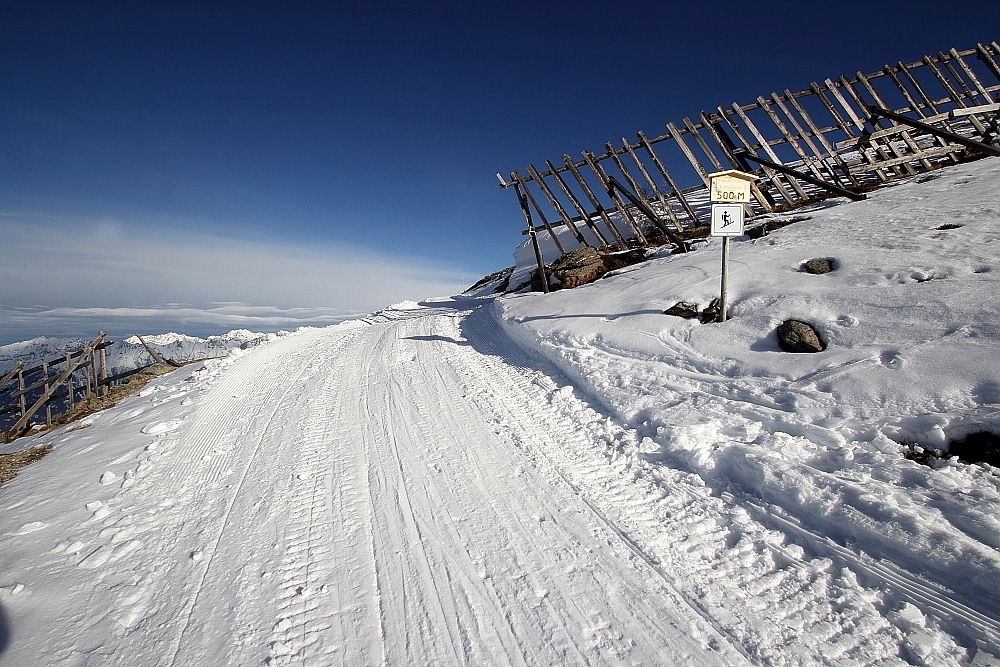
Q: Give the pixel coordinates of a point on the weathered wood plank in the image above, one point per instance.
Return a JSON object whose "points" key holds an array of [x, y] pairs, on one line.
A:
{"points": [[556, 204], [984, 56], [664, 202], [688, 153], [789, 137], [727, 146], [820, 136], [584, 215], [773, 156], [594, 201], [668, 179], [622, 206], [831, 87], [636, 190], [541, 216], [772, 176], [987, 98], [18, 367], [905, 134], [693, 131], [955, 96], [928, 153]]}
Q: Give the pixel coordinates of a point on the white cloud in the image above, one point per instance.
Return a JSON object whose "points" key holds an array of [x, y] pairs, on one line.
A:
{"points": [[60, 274]]}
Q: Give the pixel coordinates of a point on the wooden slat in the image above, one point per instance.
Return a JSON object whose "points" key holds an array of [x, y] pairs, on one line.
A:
{"points": [[983, 54], [594, 201], [773, 156], [905, 134], [727, 146], [556, 204], [664, 202], [844, 126], [883, 149], [104, 371], [749, 145], [635, 186], [955, 96], [693, 131], [622, 206], [584, 216], [789, 137], [541, 216], [949, 64], [676, 191], [688, 153], [48, 404], [987, 98], [915, 106], [18, 367], [818, 133], [859, 124], [929, 153], [69, 381], [22, 405]]}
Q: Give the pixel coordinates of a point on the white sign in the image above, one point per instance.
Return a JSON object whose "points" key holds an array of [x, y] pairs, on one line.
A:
{"points": [[730, 190], [727, 219]]}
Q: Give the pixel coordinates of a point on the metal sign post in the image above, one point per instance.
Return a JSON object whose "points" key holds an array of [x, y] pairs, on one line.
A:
{"points": [[733, 188]]}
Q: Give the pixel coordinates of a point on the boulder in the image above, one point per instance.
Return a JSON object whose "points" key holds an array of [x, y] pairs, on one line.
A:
{"points": [[536, 282], [796, 336], [682, 309], [819, 266], [712, 313], [578, 267]]}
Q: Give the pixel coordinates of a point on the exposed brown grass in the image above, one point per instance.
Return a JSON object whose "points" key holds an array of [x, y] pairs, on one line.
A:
{"points": [[93, 403], [11, 463]]}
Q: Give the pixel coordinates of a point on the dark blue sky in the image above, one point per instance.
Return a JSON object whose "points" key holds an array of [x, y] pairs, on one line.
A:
{"points": [[369, 130]]}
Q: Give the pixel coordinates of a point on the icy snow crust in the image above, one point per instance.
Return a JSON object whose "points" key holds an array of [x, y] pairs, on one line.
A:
{"points": [[563, 479]]}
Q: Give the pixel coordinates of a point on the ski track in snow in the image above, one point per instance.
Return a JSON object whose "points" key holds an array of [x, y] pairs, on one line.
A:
{"points": [[421, 491]]}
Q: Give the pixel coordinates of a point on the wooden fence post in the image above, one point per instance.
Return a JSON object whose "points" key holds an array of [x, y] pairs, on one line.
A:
{"points": [[577, 205], [69, 383], [594, 201], [536, 177], [664, 203], [594, 164], [552, 234], [667, 178]]}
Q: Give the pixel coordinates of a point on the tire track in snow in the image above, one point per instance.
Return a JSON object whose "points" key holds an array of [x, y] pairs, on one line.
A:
{"points": [[467, 576], [205, 441], [869, 642]]}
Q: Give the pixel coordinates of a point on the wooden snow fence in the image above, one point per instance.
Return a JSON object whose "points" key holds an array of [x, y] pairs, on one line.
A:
{"points": [[840, 137], [55, 385]]}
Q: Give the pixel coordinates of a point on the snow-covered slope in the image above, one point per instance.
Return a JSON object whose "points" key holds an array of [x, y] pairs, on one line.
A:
{"points": [[562, 479]]}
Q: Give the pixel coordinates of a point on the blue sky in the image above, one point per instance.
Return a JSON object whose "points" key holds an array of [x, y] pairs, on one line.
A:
{"points": [[200, 166]]}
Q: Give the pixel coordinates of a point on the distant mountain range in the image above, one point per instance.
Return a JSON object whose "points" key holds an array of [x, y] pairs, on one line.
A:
{"points": [[129, 353]]}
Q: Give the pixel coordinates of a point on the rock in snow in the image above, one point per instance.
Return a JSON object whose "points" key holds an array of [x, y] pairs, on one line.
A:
{"points": [[796, 336]]}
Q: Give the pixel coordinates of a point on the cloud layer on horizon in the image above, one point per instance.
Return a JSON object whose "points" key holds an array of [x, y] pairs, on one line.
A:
{"points": [[70, 276]]}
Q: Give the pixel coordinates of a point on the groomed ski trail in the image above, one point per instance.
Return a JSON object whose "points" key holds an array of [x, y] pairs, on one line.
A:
{"points": [[337, 497], [417, 490]]}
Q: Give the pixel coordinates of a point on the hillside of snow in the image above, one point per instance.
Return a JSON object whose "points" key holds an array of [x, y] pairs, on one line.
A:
{"points": [[571, 478]]}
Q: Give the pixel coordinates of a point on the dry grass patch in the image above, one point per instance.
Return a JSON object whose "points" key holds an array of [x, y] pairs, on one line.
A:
{"points": [[11, 463]]}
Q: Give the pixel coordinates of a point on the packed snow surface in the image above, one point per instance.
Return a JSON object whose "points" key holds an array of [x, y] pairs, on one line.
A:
{"points": [[563, 479]]}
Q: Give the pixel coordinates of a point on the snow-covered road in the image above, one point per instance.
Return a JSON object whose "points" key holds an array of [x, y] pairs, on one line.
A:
{"points": [[416, 489], [342, 496]]}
